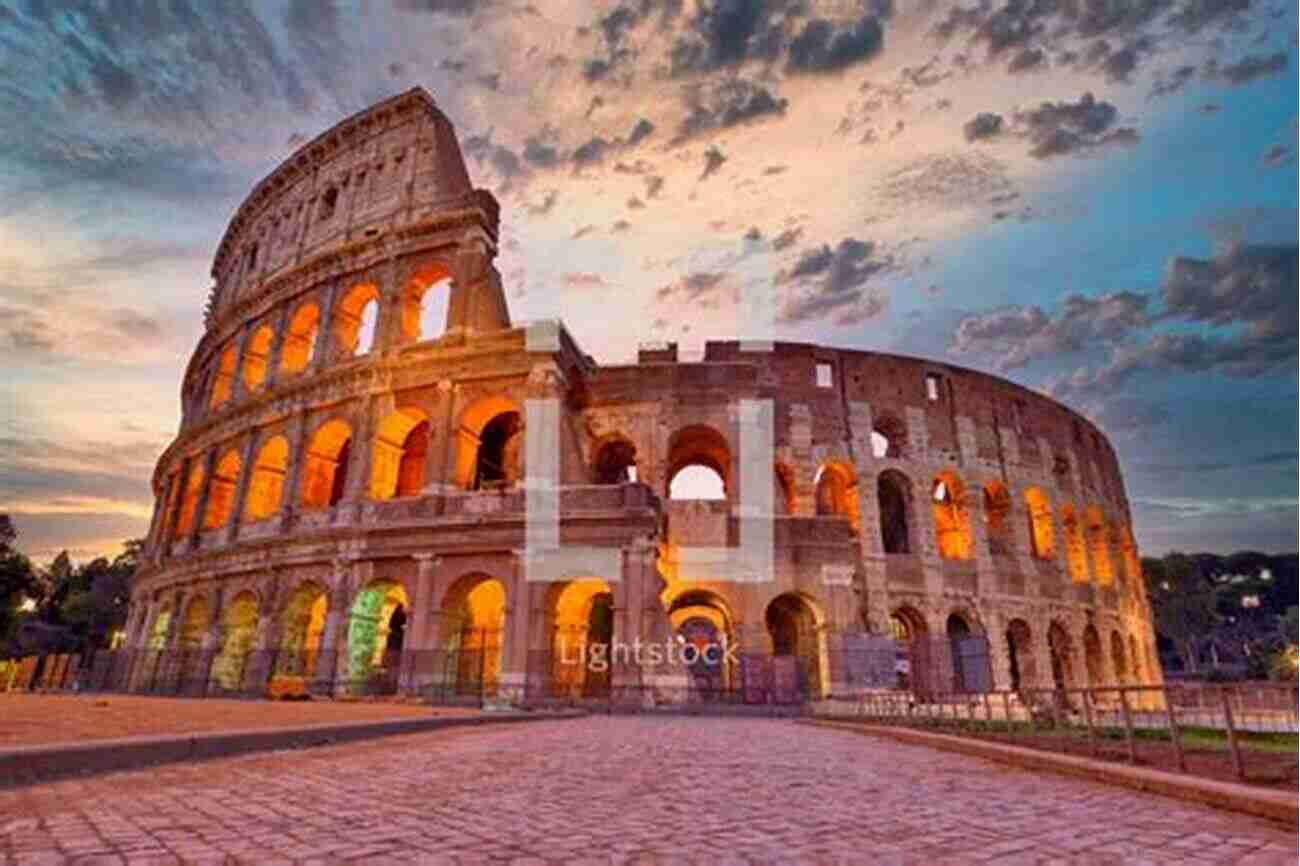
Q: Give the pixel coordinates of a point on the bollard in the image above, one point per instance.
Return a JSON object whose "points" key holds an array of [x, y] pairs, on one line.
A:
{"points": [[1087, 718], [1232, 735]]}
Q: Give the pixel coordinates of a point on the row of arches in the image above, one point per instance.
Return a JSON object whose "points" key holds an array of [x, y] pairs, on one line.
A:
{"points": [[356, 329]]}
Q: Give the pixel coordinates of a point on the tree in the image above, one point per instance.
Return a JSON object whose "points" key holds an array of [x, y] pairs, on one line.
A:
{"points": [[17, 581], [1184, 600]]}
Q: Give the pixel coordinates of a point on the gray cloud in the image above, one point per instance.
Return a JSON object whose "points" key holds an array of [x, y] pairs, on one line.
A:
{"points": [[713, 160], [787, 238], [1060, 128], [703, 289], [1247, 69], [727, 103], [822, 47], [983, 125], [830, 284]]}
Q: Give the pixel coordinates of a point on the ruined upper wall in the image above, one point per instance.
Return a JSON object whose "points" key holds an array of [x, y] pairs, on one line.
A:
{"points": [[393, 164]]}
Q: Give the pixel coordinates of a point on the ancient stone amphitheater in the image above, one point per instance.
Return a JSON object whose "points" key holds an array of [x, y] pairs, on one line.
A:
{"points": [[380, 482]]}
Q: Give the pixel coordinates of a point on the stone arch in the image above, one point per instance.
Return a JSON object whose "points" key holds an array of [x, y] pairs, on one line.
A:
{"points": [[257, 356], [997, 518], [400, 451], [1099, 546], [376, 626], [1094, 662], [221, 490], [580, 630], [894, 498], [239, 621], [1041, 535], [794, 624], [357, 312], [783, 494], [223, 382], [325, 465], [1021, 658], [965, 675], [952, 527], [837, 491], [473, 620], [1118, 659], [888, 437], [1076, 557], [425, 299], [698, 445], [302, 629], [910, 632], [196, 622], [266, 484], [299, 345], [489, 444], [190, 500], [1062, 655], [702, 617], [162, 623], [614, 460]]}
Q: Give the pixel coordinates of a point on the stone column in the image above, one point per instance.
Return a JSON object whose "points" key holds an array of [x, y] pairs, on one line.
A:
{"points": [[209, 460], [359, 460], [277, 347], [325, 347], [238, 389], [247, 455], [417, 651], [291, 495], [804, 468]]}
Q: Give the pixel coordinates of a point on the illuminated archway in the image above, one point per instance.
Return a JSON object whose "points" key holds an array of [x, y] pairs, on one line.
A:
{"points": [[239, 625], [911, 637], [194, 625], [190, 501], [951, 520], [997, 518], [837, 492], [894, 499], [1076, 556], [489, 444], [702, 619], [401, 446], [221, 491], [223, 383], [300, 342], [1099, 547], [356, 318], [325, 468], [376, 626], [582, 630], [793, 623], [266, 485], [705, 451], [1041, 534], [425, 299], [303, 626], [161, 626], [257, 354], [473, 626]]}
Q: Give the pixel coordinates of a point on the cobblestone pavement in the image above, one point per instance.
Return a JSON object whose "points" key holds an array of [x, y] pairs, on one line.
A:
{"points": [[634, 790]]}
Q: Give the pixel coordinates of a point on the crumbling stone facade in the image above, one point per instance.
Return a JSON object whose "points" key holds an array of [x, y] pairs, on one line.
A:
{"points": [[338, 465]]}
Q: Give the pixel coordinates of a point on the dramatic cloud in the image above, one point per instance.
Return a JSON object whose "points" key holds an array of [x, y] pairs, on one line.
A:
{"points": [[713, 160], [728, 103], [1017, 336], [1247, 69], [1059, 128], [822, 47], [701, 289], [982, 125], [829, 284]]}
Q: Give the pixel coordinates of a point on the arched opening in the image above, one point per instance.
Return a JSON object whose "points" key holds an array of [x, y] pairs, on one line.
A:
{"points": [[474, 622], [162, 624], [494, 456], [356, 319], [257, 354], [1062, 652], [909, 631], [699, 464], [1092, 658], [969, 651], [239, 625], [300, 342], [888, 436], [302, 626], [837, 492], [325, 469], [221, 491], [190, 501], [614, 462], [997, 518], [425, 298], [1041, 536], [194, 625], [702, 620], [951, 521], [401, 446], [1135, 655], [376, 631], [1099, 547], [894, 498], [783, 493], [223, 383], [1117, 657], [1075, 555], [793, 625], [266, 486], [582, 631], [1020, 655]]}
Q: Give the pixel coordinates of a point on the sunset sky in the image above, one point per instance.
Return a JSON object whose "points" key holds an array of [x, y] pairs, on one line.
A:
{"points": [[1096, 198]]}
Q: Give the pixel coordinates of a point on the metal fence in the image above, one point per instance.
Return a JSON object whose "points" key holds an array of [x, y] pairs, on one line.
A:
{"points": [[1233, 731]]}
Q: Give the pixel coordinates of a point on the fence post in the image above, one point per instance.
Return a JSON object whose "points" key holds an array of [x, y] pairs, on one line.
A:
{"points": [[1006, 708], [1232, 733], [1087, 717], [482, 668], [1128, 726], [1174, 733]]}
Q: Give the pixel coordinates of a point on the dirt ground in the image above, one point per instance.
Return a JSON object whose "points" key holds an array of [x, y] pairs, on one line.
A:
{"points": [[41, 719]]}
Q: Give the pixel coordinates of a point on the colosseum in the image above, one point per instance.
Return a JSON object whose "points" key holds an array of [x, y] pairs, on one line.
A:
{"points": [[381, 483]]}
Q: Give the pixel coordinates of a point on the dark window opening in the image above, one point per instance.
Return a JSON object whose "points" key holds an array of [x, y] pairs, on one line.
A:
{"points": [[341, 473]]}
